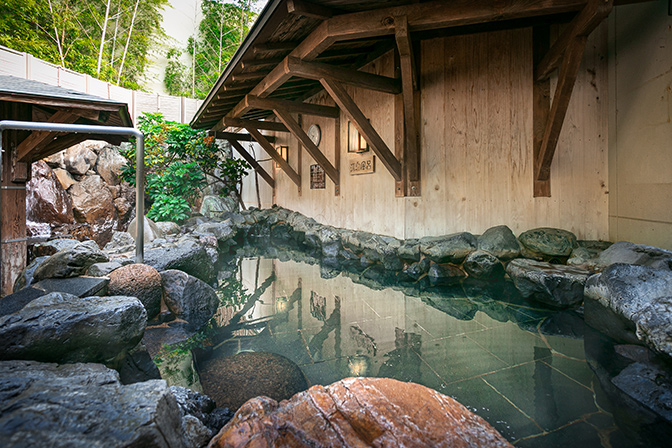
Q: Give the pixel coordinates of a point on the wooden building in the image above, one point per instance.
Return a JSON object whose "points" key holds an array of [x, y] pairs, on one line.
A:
{"points": [[413, 118], [25, 100]]}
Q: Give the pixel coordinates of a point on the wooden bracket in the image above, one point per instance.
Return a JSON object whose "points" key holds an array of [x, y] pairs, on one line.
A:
{"points": [[568, 49], [274, 155], [291, 106], [312, 149], [346, 103], [39, 139], [318, 70], [306, 9], [253, 163], [411, 102]]}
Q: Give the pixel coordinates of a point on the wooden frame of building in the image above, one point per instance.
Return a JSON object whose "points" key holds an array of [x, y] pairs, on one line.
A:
{"points": [[24, 100], [304, 57]]}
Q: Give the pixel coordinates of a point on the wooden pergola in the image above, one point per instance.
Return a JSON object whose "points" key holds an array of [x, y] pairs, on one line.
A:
{"points": [[298, 48], [25, 100]]}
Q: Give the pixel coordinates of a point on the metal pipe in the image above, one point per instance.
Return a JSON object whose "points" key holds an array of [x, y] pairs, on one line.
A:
{"points": [[101, 130]]}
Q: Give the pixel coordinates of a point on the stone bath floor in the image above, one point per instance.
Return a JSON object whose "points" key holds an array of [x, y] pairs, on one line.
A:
{"points": [[521, 368]]}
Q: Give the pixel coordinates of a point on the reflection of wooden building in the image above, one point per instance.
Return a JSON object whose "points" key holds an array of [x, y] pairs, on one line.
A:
{"points": [[479, 113], [24, 100]]}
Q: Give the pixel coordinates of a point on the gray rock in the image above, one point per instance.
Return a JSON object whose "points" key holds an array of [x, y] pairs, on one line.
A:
{"points": [[448, 249], [189, 298], [102, 269], [60, 327], [483, 265], [638, 254], [214, 206], [649, 385], [187, 255], [556, 285], [109, 165], [120, 242], [70, 262], [546, 243], [84, 406], [152, 231], [195, 432], [410, 250], [223, 231], [14, 302], [168, 227], [330, 241], [79, 159], [417, 269], [25, 278], [583, 257], [444, 274], [77, 286], [632, 303], [138, 366], [50, 247], [500, 242]]}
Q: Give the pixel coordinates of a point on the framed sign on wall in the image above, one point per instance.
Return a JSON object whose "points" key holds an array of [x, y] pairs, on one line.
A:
{"points": [[317, 178]]}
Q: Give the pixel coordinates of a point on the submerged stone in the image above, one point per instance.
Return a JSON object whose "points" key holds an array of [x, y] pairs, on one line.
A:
{"points": [[359, 412]]}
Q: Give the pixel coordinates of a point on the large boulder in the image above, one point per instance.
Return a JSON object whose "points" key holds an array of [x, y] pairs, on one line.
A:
{"points": [[633, 304], [214, 206], [46, 200], [189, 298], [93, 203], [25, 278], [52, 246], [359, 412], [79, 159], [186, 255], [546, 243], [500, 242], [556, 285], [141, 281], [232, 380], [152, 231], [448, 249], [639, 254], [168, 227], [70, 262], [109, 165], [223, 231], [84, 406], [483, 265], [64, 328]]}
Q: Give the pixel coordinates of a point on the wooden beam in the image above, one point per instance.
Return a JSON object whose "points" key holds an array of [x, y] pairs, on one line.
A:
{"points": [[306, 9], [274, 46], [270, 150], [347, 105], [261, 63], [318, 70], [292, 106], [253, 163], [411, 96], [541, 104], [228, 122], [237, 137], [583, 24], [42, 138], [569, 71], [312, 149], [247, 76]]}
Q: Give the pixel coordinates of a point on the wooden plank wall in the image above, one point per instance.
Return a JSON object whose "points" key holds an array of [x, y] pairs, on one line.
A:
{"points": [[640, 124], [476, 140]]}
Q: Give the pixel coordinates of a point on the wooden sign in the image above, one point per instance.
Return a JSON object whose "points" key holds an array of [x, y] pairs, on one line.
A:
{"points": [[362, 165], [318, 179]]}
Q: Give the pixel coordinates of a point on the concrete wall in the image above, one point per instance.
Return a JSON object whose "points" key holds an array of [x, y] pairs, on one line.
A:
{"points": [[640, 127]]}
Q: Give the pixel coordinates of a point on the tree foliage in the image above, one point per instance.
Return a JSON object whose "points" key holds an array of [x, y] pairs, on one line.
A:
{"points": [[177, 160], [220, 33], [76, 34]]}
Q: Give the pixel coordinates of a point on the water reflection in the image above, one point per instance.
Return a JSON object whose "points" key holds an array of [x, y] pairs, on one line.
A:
{"points": [[520, 367]]}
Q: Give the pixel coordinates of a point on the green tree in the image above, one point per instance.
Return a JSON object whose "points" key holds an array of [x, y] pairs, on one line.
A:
{"points": [[107, 39], [177, 160], [220, 33]]}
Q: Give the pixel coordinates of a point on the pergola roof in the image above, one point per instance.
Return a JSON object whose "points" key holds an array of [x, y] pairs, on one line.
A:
{"points": [[59, 105]]}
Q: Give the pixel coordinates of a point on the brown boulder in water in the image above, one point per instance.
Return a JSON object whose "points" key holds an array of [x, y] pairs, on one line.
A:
{"points": [[232, 380], [358, 412]]}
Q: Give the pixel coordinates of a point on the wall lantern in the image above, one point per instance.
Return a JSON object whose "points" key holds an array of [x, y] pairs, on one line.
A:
{"points": [[356, 142]]}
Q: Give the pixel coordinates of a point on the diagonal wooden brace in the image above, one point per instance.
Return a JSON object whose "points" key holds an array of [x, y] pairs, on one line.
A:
{"points": [[253, 163], [275, 156]]}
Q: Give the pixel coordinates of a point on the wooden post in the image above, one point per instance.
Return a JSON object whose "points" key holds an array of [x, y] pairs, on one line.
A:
{"points": [[13, 243]]}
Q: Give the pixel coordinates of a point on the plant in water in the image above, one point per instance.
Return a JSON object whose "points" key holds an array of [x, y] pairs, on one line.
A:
{"points": [[177, 161]]}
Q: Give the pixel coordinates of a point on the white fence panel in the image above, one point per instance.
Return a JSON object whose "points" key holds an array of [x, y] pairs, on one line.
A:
{"points": [[171, 107], [44, 72], [98, 88], [12, 63], [145, 102], [71, 80], [190, 109]]}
